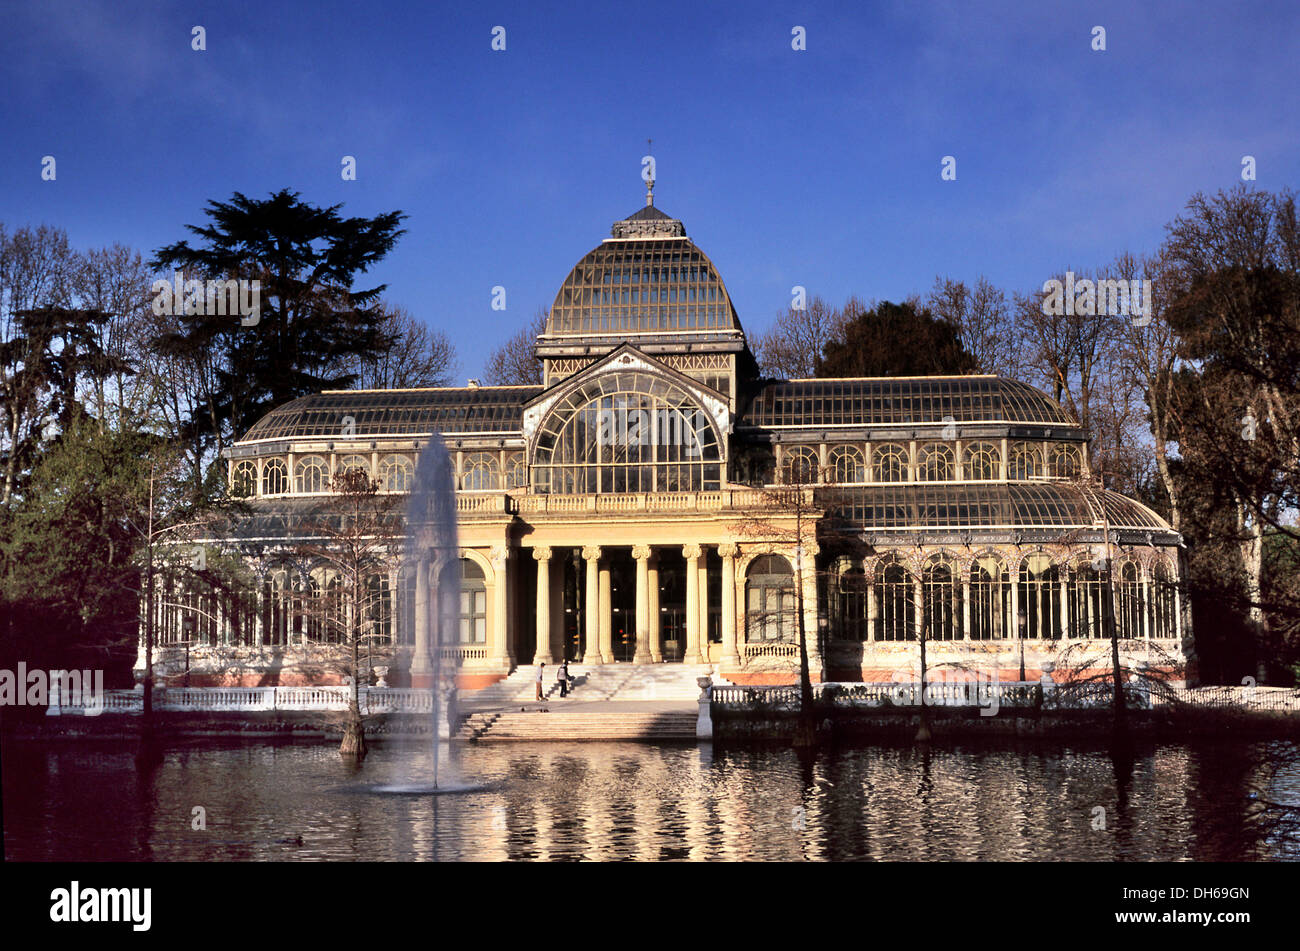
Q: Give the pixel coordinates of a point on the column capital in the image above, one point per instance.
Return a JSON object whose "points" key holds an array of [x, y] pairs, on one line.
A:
{"points": [[691, 551], [542, 553], [728, 550], [640, 552], [591, 552], [498, 556]]}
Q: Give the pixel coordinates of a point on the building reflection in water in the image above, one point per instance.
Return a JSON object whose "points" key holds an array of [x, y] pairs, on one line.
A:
{"points": [[615, 801]]}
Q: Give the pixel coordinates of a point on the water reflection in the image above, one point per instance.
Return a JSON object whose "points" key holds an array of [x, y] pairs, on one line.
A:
{"points": [[573, 802]]}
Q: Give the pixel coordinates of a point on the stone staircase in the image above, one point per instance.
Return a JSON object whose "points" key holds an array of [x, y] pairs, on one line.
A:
{"points": [[668, 682], [507, 710], [574, 724]]}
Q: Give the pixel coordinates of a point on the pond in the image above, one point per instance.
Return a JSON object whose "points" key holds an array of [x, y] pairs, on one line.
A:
{"points": [[233, 800]]}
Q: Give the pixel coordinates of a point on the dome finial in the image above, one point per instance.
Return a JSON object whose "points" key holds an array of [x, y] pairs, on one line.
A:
{"points": [[650, 174]]}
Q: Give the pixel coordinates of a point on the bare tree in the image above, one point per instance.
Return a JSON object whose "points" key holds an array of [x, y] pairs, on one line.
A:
{"points": [[515, 362], [415, 356], [791, 347], [982, 316], [358, 536]]}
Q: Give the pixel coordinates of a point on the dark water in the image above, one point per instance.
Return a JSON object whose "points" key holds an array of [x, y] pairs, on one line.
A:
{"points": [[87, 801]]}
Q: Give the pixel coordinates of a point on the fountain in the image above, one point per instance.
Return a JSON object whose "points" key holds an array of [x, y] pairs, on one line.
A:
{"points": [[430, 544]]}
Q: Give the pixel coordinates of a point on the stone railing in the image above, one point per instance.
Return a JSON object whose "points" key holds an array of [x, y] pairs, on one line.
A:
{"points": [[495, 503], [463, 652], [615, 503], [943, 693], [257, 699], [769, 650]]}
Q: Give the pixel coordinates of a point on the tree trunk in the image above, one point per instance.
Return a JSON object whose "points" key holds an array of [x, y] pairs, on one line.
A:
{"points": [[354, 732]]}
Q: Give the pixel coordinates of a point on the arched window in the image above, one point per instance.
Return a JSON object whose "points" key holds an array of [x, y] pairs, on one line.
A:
{"points": [[516, 471], [889, 462], [244, 482], [1086, 590], [847, 466], [895, 602], [471, 626], [799, 466], [1026, 461], [627, 431], [1040, 598], [480, 472], [1164, 621], [1129, 594], [1065, 461], [770, 600], [851, 605], [942, 602], [379, 609], [981, 462], [275, 477], [311, 476], [934, 463], [990, 597], [355, 461], [395, 473]]}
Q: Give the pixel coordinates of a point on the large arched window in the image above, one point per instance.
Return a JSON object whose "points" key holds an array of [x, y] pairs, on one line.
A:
{"points": [[770, 600], [799, 466], [990, 597], [847, 466], [895, 602], [934, 463], [395, 473], [1040, 598], [379, 609], [1026, 461], [275, 477], [942, 602], [311, 475], [480, 472], [627, 431], [889, 462], [981, 462]]}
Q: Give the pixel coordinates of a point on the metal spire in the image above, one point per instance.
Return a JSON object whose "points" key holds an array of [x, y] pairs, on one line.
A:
{"points": [[650, 182]]}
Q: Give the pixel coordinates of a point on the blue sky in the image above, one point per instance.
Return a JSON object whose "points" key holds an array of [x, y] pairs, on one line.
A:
{"points": [[819, 168]]}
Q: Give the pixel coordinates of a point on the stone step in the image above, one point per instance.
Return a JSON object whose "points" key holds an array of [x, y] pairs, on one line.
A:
{"points": [[559, 726]]}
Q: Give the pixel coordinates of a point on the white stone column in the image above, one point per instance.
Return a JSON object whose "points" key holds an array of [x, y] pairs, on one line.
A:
{"points": [[656, 621], [704, 605], [542, 655], [730, 655], [421, 659], [591, 655], [501, 654], [642, 555], [965, 608], [873, 610], [606, 617], [692, 555]]}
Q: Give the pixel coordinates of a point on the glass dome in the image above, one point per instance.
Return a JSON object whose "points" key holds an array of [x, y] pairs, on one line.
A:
{"points": [[650, 279]]}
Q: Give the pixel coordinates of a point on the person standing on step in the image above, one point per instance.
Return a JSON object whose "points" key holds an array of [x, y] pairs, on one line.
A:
{"points": [[563, 677], [540, 668]]}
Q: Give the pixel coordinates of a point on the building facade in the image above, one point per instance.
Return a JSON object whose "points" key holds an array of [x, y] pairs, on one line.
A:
{"points": [[655, 500]]}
